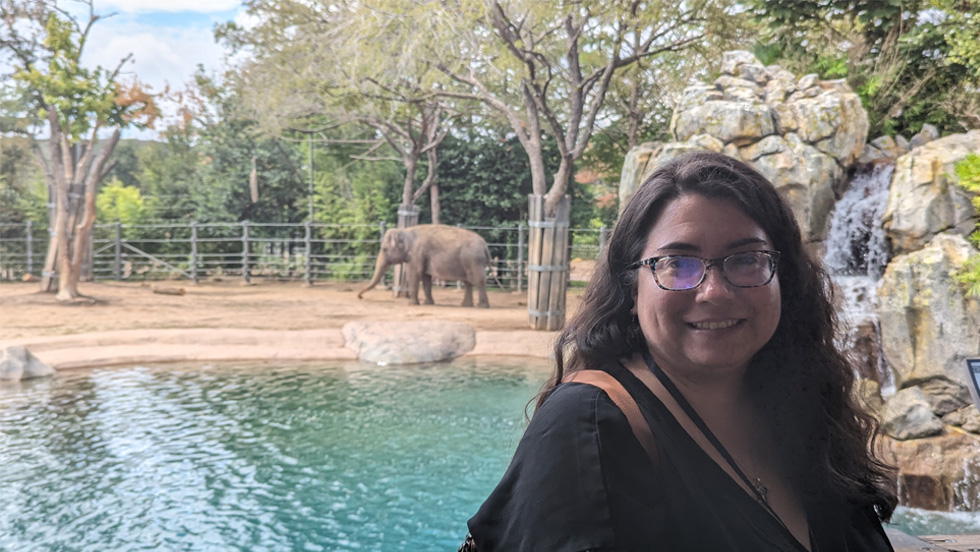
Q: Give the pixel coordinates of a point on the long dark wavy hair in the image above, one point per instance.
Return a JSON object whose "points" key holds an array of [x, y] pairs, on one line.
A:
{"points": [[800, 379]]}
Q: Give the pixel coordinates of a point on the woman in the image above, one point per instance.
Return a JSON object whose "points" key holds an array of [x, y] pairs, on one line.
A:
{"points": [[710, 313]]}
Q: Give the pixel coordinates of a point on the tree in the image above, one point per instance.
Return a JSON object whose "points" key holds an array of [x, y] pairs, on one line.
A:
{"points": [[44, 44], [547, 67], [912, 62], [316, 66]]}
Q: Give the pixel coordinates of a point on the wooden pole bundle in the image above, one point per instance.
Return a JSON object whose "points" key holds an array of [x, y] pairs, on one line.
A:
{"points": [[547, 264]]}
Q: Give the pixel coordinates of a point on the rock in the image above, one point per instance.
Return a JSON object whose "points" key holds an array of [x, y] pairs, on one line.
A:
{"points": [[945, 396], [636, 166], [941, 473], [804, 176], [906, 415], [732, 59], [731, 122], [967, 418], [929, 326], [927, 134], [801, 134], [29, 278], [925, 198], [17, 363], [408, 343], [902, 143], [888, 146]]}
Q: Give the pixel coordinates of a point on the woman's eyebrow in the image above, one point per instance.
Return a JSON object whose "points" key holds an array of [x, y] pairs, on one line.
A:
{"points": [[745, 241], [684, 246]]}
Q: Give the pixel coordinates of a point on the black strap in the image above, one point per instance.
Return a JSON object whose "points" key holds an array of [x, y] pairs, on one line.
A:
{"points": [[693, 415]]}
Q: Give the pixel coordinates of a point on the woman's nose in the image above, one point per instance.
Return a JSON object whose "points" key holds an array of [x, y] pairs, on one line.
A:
{"points": [[715, 285]]}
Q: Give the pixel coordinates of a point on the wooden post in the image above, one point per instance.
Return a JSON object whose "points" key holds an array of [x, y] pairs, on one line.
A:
{"points": [[408, 215], [547, 264]]}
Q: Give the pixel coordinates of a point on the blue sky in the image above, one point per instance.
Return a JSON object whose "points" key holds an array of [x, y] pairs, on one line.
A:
{"points": [[168, 39]]}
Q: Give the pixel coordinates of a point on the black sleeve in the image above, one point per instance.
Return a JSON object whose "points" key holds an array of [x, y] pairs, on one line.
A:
{"points": [[579, 480]]}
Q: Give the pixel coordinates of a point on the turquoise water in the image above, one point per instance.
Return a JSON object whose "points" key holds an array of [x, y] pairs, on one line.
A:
{"points": [[346, 456], [342, 457]]}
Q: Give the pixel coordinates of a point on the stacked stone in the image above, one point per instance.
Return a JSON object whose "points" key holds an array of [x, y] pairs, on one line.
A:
{"points": [[802, 134]]}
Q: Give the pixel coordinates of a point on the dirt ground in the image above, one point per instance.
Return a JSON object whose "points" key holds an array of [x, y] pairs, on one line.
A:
{"points": [[266, 305]]}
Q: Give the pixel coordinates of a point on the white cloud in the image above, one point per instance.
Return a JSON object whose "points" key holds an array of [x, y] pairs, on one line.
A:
{"points": [[145, 6], [160, 56]]}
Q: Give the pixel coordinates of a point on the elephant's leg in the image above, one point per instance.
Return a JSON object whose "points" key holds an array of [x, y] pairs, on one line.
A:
{"points": [[413, 286], [427, 288], [481, 289], [467, 294]]}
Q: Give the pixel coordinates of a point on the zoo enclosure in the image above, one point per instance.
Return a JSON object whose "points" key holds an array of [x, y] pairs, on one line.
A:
{"points": [[308, 252]]}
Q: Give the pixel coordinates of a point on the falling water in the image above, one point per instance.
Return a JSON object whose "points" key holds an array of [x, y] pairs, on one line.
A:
{"points": [[856, 257]]}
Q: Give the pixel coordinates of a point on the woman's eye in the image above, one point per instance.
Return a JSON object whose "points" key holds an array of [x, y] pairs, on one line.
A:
{"points": [[744, 260]]}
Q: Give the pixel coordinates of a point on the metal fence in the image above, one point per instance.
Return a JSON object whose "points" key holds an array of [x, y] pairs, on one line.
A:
{"points": [[247, 251]]}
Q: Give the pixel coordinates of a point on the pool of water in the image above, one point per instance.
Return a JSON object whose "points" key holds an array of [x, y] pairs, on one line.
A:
{"points": [[345, 456], [348, 456]]}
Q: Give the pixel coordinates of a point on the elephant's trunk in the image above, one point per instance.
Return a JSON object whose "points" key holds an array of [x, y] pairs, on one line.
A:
{"points": [[379, 271]]}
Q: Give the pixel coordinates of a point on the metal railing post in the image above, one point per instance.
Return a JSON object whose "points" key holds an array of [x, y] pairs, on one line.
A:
{"points": [[245, 277], [117, 264], [603, 238], [521, 238], [194, 275], [30, 247], [308, 240], [381, 240]]}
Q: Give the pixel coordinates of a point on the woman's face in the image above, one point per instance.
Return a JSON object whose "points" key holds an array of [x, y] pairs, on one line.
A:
{"points": [[716, 326]]}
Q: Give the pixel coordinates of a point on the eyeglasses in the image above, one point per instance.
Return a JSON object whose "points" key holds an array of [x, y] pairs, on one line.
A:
{"points": [[681, 272]]}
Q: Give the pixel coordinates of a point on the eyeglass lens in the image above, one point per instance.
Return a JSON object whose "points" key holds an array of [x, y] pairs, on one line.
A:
{"points": [[741, 269]]}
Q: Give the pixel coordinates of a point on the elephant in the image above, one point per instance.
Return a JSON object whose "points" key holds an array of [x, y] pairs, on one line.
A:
{"points": [[428, 251]]}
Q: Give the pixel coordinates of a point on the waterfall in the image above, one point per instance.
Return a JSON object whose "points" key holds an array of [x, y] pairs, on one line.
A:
{"points": [[856, 258]]}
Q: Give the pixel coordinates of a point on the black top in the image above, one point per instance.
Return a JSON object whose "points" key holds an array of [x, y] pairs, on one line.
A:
{"points": [[581, 481]]}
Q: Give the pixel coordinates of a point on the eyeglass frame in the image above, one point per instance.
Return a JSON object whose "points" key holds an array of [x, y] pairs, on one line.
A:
{"points": [[708, 263]]}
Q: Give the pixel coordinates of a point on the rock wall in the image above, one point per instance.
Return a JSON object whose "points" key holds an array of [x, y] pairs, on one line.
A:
{"points": [[925, 198], [803, 134]]}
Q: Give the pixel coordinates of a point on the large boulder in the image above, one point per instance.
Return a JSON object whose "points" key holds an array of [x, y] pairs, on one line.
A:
{"points": [[17, 363], [939, 473], [803, 134], [907, 415], [929, 326], [408, 343], [925, 198]]}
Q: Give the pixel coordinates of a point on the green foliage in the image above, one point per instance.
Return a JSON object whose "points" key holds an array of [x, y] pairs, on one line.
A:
{"points": [[911, 63], [52, 78], [23, 195], [118, 202], [968, 173]]}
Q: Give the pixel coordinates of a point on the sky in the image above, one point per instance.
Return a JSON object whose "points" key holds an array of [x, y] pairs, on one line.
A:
{"points": [[168, 40]]}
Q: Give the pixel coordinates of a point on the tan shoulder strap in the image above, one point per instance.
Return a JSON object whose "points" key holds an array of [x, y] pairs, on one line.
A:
{"points": [[622, 399]]}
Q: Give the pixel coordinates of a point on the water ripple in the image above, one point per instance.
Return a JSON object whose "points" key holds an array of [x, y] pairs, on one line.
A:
{"points": [[244, 457]]}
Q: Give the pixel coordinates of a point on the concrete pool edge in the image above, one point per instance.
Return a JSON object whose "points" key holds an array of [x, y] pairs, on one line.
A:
{"points": [[84, 350]]}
